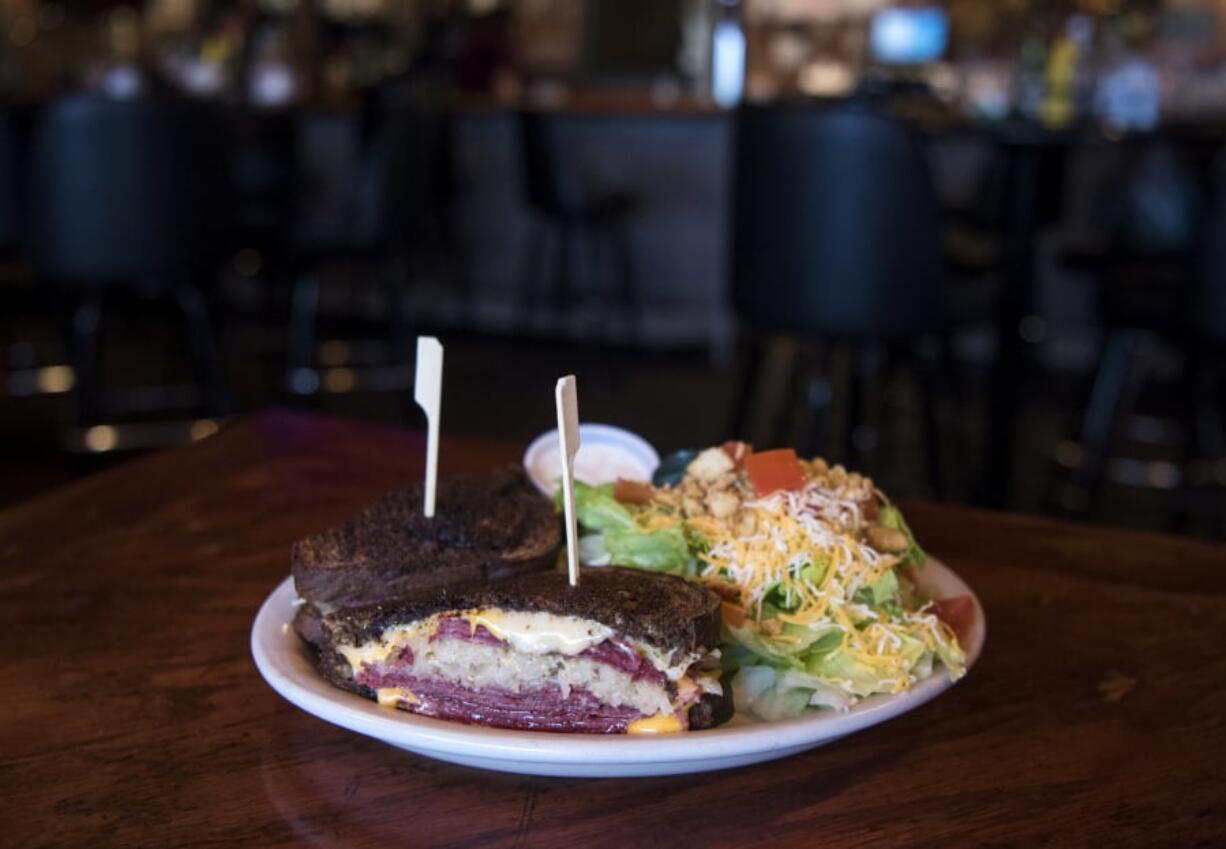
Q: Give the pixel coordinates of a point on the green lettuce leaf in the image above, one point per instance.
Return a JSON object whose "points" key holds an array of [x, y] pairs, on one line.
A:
{"points": [[863, 679], [660, 551], [880, 592], [596, 509]]}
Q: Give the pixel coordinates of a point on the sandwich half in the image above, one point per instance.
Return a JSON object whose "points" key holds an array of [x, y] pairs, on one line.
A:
{"points": [[487, 526], [626, 651]]}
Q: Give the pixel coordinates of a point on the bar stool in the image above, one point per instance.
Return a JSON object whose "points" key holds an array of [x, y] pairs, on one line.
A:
{"points": [[395, 213], [567, 219], [10, 187], [835, 239], [130, 196], [1161, 286], [1204, 408]]}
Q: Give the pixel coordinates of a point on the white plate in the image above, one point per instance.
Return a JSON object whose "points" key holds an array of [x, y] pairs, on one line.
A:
{"points": [[285, 664], [606, 453]]}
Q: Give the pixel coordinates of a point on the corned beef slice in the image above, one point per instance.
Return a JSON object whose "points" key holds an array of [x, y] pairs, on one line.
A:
{"points": [[544, 709]]}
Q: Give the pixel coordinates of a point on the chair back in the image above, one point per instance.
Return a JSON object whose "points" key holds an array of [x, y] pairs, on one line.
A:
{"points": [[128, 190], [1208, 302], [405, 174], [551, 185], [835, 229], [10, 185]]}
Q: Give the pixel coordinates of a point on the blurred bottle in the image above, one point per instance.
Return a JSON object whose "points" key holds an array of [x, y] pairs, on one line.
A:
{"points": [[1129, 96], [1030, 81], [271, 81], [1065, 68], [728, 56], [121, 76]]}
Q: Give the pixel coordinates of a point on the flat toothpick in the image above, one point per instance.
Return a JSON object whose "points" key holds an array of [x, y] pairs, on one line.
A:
{"points": [[427, 392], [568, 445]]}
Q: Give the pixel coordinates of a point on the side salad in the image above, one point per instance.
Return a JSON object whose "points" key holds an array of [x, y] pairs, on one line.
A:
{"points": [[813, 562]]}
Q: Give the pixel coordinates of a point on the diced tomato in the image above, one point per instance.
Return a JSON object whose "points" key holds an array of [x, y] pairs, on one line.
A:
{"points": [[733, 614], [772, 471], [632, 492], [738, 451], [957, 612]]}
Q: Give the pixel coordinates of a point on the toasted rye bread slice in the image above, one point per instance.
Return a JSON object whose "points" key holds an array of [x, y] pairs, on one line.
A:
{"points": [[486, 526], [663, 611]]}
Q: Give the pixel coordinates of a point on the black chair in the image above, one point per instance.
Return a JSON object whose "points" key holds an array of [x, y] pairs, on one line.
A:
{"points": [[130, 195], [569, 218], [1144, 270], [1204, 393], [1161, 287], [836, 240], [397, 212], [10, 187], [266, 172]]}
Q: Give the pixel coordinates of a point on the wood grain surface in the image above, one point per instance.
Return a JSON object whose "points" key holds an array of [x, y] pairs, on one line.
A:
{"points": [[132, 714]]}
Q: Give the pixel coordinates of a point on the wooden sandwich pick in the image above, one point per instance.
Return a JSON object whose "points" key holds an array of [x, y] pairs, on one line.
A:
{"points": [[568, 445], [427, 392]]}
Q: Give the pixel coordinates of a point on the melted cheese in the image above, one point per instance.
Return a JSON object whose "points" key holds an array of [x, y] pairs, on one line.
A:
{"points": [[393, 696], [392, 640], [540, 633], [661, 723]]}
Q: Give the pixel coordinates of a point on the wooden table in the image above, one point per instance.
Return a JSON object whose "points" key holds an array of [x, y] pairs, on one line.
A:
{"points": [[133, 715]]}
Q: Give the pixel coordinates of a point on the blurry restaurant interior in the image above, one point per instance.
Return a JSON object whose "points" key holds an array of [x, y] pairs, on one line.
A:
{"points": [[975, 248]]}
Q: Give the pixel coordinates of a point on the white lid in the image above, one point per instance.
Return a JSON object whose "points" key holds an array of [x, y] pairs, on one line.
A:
{"points": [[606, 453]]}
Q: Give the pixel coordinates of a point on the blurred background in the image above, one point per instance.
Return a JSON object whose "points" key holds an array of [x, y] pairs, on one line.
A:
{"points": [[975, 248]]}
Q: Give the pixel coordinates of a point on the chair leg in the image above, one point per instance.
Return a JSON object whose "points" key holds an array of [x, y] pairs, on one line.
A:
{"points": [[561, 293], [853, 407], [200, 341], [938, 388], [784, 409], [530, 276], [1110, 397], [1212, 437], [819, 396], [1210, 433], [627, 286], [300, 375], [395, 276], [1202, 432], [744, 397], [84, 318]]}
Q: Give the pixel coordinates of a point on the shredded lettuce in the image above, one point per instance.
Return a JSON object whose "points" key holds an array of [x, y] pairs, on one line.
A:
{"points": [[660, 551], [596, 509], [880, 592], [780, 694], [619, 541]]}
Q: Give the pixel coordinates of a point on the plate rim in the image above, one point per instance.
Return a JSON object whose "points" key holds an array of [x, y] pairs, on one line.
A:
{"points": [[282, 661]]}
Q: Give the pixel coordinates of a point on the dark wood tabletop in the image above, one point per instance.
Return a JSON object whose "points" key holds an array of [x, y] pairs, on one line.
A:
{"points": [[134, 716]]}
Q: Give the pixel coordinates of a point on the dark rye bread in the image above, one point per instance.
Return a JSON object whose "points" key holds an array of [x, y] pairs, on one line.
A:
{"points": [[486, 526], [663, 611]]}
